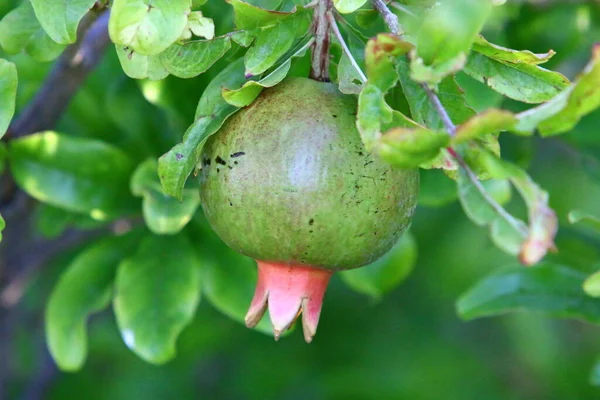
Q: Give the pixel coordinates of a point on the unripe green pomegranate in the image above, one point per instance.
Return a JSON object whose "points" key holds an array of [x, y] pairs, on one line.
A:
{"points": [[287, 182]]}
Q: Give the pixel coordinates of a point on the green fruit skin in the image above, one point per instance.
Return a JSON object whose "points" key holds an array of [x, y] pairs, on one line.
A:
{"points": [[287, 180]]}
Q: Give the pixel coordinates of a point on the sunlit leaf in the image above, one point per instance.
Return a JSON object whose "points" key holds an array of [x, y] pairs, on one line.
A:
{"points": [[147, 26], [20, 30], [60, 18], [138, 66], [157, 290], [250, 90], [564, 111], [592, 285], [578, 216], [83, 289], [379, 55], [163, 214], [194, 57], [248, 16], [410, 147], [8, 93], [273, 42], [490, 121], [82, 175], [348, 6]]}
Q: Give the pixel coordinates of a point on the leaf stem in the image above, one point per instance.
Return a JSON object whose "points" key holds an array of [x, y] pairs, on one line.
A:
{"points": [[441, 110], [319, 69], [336, 31], [398, 6]]}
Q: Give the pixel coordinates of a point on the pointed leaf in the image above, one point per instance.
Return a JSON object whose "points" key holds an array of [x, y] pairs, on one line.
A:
{"points": [[274, 42], [592, 285], [549, 288], [250, 90], [148, 26], [82, 175], [60, 18], [21, 30], [83, 289], [504, 54], [564, 111], [248, 16], [379, 55], [137, 66], [410, 147], [8, 93], [194, 57], [157, 291], [348, 6], [388, 272], [489, 121], [163, 214]]}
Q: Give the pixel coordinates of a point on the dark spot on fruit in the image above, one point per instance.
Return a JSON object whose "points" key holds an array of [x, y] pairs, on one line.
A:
{"points": [[205, 162], [310, 231], [218, 170], [230, 204], [334, 116], [219, 160], [360, 153], [312, 221], [235, 162], [238, 154], [368, 162]]}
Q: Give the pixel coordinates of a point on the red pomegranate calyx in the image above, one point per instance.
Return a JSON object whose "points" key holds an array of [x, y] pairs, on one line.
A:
{"points": [[288, 291]]}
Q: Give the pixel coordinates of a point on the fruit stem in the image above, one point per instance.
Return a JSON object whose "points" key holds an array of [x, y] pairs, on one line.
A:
{"points": [[319, 69]]}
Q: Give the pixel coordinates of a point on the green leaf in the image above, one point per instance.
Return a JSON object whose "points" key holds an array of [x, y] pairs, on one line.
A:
{"points": [[137, 66], [564, 111], [20, 30], [445, 37], [375, 116], [163, 214], [157, 291], [2, 226], [82, 175], [175, 166], [194, 57], [83, 289], [519, 81], [380, 277], [489, 121], [552, 289], [510, 56], [350, 80], [410, 147], [592, 285], [60, 18], [248, 16], [8, 93], [244, 38], [273, 42], [506, 231], [52, 221], [199, 25], [348, 6], [228, 282], [585, 218], [543, 222], [148, 26], [436, 189], [245, 95], [379, 55]]}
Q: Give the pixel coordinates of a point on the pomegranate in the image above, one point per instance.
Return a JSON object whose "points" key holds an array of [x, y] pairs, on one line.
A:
{"points": [[287, 182]]}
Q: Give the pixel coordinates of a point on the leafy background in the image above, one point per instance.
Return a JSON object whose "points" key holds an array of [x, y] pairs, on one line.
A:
{"points": [[410, 343]]}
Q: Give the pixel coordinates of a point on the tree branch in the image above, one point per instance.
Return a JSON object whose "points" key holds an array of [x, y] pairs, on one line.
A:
{"points": [[67, 75], [319, 69], [390, 19]]}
